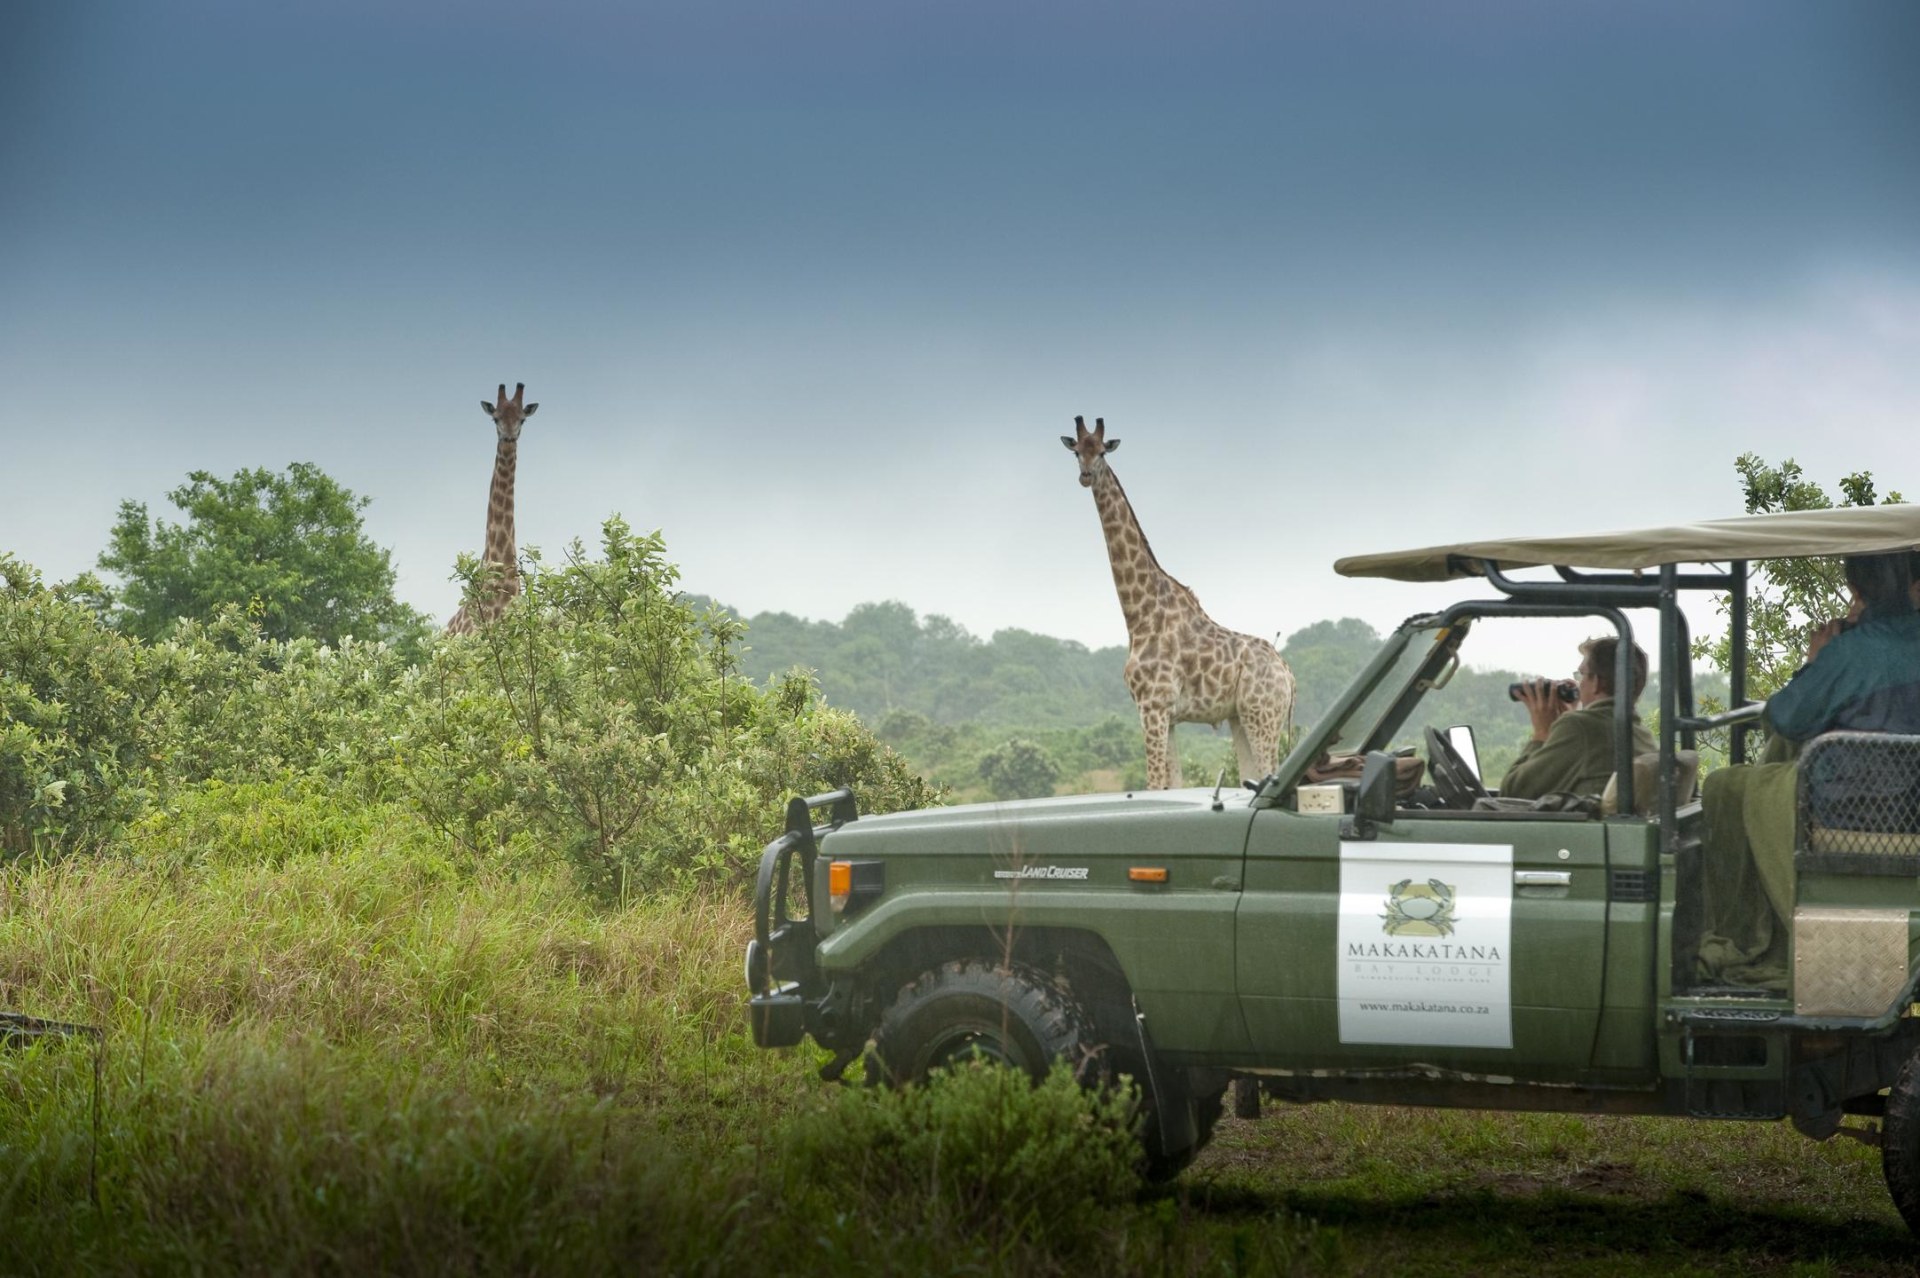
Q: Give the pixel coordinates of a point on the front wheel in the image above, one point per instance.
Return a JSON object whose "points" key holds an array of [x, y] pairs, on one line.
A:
{"points": [[1015, 1015], [969, 1009]]}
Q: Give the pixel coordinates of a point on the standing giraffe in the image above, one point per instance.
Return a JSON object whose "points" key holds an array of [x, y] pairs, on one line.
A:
{"points": [[1182, 666], [500, 560]]}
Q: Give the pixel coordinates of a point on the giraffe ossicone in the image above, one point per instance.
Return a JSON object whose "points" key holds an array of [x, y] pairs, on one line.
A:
{"points": [[500, 558], [1182, 666]]}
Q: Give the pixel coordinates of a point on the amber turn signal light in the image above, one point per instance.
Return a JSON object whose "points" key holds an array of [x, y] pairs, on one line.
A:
{"points": [[1148, 874]]}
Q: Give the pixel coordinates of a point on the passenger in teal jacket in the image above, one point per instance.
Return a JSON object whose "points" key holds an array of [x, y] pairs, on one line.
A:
{"points": [[1861, 675]]}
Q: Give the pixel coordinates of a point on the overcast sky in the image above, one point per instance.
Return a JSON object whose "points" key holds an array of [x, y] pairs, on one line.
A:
{"points": [[814, 287]]}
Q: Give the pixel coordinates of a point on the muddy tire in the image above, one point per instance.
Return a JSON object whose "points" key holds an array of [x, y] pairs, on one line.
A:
{"points": [[1018, 1016], [971, 1009]]}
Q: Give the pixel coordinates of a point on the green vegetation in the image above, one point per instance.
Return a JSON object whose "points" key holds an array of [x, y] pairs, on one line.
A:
{"points": [[335, 1044], [883, 658], [601, 723], [288, 548], [422, 955], [1058, 707]]}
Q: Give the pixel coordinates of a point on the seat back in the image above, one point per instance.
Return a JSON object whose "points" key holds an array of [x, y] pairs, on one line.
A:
{"points": [[1857, 804], [1646, 782]]}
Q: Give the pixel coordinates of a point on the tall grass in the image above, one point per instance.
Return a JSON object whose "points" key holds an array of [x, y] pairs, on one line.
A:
{"points": [[329, 1048], [333, 1046]]}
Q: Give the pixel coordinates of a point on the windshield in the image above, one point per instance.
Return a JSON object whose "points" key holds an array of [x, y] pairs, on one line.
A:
{"points": [[1371, 720]]}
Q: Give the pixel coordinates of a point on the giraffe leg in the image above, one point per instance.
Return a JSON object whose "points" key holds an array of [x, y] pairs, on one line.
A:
{"points": [[1174, 778], [1266, 744], [1163, 766], [1249, 756]]}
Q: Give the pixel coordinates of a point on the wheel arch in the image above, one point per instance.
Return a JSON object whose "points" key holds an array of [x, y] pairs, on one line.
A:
{"points": [[1079, 956]]}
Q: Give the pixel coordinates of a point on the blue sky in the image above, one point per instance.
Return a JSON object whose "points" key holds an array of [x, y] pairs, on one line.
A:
{"points": [[813, 288]]}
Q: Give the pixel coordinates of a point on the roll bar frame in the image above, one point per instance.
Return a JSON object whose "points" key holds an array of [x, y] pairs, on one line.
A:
{"points": [[1606, 595]]}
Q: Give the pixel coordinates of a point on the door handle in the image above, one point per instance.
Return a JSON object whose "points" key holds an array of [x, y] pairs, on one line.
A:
{"points": [[1543, 878]]}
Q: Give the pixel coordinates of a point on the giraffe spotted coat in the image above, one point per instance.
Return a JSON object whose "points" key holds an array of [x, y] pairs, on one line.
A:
{"points": [[1182, 665], [500, 558]]}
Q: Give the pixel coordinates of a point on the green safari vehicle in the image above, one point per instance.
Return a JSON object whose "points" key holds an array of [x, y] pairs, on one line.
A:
{"points": [[1312, 942]]}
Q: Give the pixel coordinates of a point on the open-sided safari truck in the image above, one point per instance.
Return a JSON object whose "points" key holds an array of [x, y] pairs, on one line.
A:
{"points": [[1335, 942]]}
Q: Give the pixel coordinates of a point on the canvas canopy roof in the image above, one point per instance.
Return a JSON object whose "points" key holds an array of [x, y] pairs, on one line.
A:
{"points": [[1848, 530]]}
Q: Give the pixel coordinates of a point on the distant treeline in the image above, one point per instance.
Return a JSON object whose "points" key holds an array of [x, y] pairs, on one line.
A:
{"points": [[1027, 713]]}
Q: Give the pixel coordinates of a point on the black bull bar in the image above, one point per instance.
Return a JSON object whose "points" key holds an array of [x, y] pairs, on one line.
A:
{"points": [[781, 974]]}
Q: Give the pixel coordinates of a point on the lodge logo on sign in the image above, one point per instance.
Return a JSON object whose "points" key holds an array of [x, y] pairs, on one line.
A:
{"points": [[1418, 909], [1423, 941]]}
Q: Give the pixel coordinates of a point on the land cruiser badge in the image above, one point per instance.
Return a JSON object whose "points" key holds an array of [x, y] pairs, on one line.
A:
{"points": [[1424, 909]]}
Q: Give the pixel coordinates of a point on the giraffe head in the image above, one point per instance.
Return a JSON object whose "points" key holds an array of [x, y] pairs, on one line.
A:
{"points": [[508, 414], [1091, 447]]}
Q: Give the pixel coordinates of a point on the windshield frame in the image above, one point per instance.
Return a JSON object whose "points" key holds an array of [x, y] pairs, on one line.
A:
{"points": [[1377, 691]]}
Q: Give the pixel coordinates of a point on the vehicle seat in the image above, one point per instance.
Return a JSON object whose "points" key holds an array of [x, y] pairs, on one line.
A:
{"points": [[1646, 782], [1857, 804]]}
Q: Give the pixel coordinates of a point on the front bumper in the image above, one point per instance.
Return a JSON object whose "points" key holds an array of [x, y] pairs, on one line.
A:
{"points": [[783, 977]]}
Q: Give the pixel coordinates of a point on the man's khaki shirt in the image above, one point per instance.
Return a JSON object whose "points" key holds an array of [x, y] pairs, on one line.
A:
{"points": [[1577, 755]]}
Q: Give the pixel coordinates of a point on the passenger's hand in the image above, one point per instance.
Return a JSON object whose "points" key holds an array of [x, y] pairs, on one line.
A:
{"points": [[1821, 635], [1543, 704]]}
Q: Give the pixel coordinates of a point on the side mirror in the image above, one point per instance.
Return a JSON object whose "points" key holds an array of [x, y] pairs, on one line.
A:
{"points": [[1373, 805], [1460, 736]]}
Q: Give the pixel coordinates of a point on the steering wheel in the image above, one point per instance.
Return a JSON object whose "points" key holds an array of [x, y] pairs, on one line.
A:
{"points": [[1453, 780]]}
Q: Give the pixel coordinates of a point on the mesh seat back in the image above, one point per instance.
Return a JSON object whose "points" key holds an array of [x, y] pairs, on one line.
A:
{"points": [[1857, 804]]}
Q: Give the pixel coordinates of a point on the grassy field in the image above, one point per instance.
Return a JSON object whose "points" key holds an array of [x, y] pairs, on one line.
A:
{"points": [[331, 1048]]}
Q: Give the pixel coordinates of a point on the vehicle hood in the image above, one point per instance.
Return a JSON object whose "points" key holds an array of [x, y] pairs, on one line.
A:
{"points": [[1070, 807], [1083, 824]]}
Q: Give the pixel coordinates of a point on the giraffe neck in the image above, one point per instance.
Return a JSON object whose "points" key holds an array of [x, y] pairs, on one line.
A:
{"points": [[500, 548], [1142, 584]]}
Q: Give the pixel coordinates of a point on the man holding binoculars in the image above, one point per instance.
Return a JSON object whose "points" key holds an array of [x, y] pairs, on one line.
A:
{"points": [[1572, 749]]}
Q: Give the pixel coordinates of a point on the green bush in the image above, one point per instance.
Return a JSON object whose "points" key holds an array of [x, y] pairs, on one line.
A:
{"points": [[603, 715], [601, 721], [1020, 769], [77, 721], [976, 1153]]}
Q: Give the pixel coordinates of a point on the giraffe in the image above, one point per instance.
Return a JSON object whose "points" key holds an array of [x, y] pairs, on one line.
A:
{"points": [[500, 560], [1182, 666]]}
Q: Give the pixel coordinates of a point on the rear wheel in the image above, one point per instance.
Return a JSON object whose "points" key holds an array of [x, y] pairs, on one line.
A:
{"points": [[1900, 1142]]}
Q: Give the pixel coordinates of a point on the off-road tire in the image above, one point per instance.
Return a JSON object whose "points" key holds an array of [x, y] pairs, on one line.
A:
{"points": [[1900, 1142], [973, 1009], [1019, 1016]]}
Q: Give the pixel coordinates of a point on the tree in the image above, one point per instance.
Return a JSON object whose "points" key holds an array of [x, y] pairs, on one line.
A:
{"points": [[1786, 596], [1325, 657], [1020, 769], [287, 547]]}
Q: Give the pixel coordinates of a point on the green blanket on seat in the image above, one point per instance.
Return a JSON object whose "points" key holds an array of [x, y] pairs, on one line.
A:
{"points": [[1747, 875]]}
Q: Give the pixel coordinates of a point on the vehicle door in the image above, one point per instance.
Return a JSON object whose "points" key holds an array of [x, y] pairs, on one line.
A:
{"points": [[1461, 943]]}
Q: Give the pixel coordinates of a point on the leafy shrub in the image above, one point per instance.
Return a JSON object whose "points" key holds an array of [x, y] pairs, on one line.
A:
{"points": [[601, 720], [77, 723], [236, 705], [977, 1150], [1020, 769], [605, 716]]}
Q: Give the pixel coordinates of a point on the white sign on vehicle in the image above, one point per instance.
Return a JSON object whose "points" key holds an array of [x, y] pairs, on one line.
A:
{"points": [[1424, 937]]}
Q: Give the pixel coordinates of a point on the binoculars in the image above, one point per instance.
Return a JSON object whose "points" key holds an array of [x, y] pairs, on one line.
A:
{"points": [[1566, 689]]}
